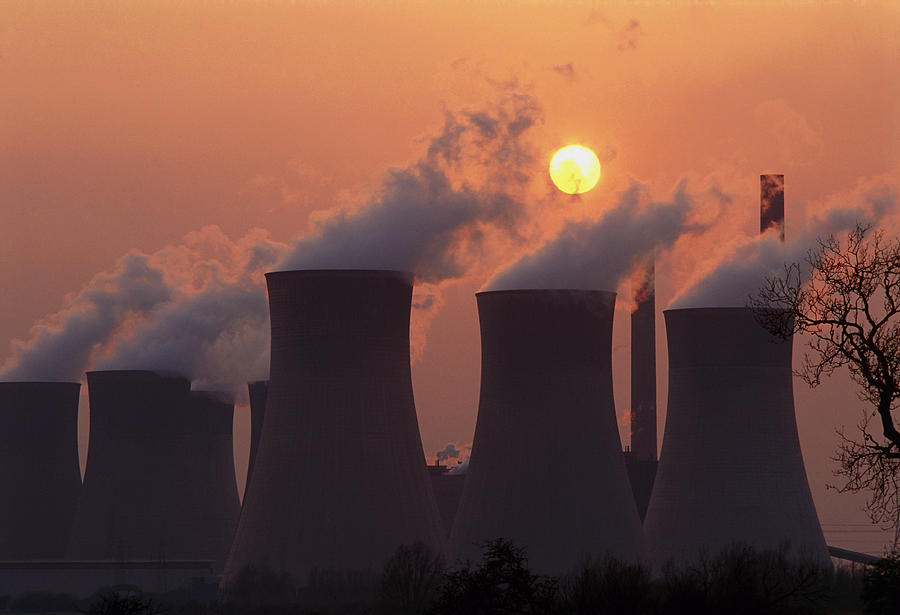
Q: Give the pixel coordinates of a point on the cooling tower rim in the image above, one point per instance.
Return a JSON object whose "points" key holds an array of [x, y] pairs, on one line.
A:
{"points": [[547, 292], [349, 272], [123, 374], [39, 383], [720, 310]]}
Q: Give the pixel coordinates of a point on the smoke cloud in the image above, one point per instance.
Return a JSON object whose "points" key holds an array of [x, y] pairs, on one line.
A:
{"points": [[598, 254], [744, 267], [449, 452], [434, 217], [61, 345], [200, 309]]}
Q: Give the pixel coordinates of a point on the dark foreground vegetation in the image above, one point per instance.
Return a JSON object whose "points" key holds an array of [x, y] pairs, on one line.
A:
{"points": [[416, 581]]}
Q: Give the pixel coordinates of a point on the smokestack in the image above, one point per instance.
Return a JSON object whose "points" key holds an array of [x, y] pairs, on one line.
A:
{"points": [[641, 459], [731, 469], [339, 480], [771, 203], [258, 391], [39, 474], [209, 485], [546, 469], [643, 369], [135, 459]]}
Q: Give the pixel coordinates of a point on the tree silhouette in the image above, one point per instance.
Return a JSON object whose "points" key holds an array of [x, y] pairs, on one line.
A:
{"points": [[845, 296], [501, 585]]}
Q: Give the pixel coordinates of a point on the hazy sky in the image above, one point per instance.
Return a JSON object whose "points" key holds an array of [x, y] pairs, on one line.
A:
{"points": [[127, 127]]}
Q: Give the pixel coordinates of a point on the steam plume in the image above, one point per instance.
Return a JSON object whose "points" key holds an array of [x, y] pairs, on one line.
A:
{"points": [[61, 345], [200, 309], [432, 217], [743, 269], [597, 255]]}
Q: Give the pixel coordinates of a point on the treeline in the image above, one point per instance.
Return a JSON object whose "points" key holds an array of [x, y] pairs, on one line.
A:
{"points": [[416, 581]]}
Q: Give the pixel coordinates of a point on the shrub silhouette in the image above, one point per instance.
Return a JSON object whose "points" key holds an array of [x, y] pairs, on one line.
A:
{"points": [[502, 584]]}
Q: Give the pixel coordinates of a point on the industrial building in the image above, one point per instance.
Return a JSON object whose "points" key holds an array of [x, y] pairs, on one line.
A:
{"points": [[39, 474], [339, 480], [730, 469], [546, 469]]}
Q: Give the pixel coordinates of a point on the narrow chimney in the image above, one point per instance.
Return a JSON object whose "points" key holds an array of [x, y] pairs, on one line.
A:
{"points": [[643, 368], [771, 203]]}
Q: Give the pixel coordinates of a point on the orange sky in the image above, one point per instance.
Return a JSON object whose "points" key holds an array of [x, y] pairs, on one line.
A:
{"points": [[126, 127]]}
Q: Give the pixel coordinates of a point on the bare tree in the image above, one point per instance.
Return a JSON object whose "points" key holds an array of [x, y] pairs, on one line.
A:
{"points": [[845, 296]]}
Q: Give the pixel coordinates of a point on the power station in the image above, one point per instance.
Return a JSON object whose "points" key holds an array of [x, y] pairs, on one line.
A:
{"points": [[339, 479], [546, 469], [336, 461], [39, 474], [730, 469]]}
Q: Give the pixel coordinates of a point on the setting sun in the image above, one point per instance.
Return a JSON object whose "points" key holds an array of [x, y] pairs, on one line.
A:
{"points": [[575, 169]]}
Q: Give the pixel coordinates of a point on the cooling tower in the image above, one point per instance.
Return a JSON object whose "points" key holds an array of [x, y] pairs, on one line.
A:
{"points": [[39, 474], [135, 456], [730, 469], [339, 480], [258, 391], [209, 485], [546, 469]]}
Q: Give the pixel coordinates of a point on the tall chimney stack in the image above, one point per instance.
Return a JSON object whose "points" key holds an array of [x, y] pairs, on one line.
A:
{"points": [[643, 368], [771, 203], [641, 459]]}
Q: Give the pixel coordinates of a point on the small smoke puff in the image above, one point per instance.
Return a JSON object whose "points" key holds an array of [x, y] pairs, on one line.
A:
{"points": [[449, 452], [565, 70], [598, 254]]}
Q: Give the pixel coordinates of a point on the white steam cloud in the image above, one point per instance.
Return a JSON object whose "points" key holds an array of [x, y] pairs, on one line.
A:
{"points": [[61, 346], [200, 309], [598, 254], [743, 270], [433, 217]]}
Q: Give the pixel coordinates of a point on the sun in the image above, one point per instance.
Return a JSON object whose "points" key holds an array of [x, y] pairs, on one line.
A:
{"points": [[575, 169]]}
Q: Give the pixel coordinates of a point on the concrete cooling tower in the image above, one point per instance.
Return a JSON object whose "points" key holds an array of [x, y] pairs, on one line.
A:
{"points": [[258, 392], [339, 479], [135, 456], [209, 488], [546, 469], [730, 469], [39, 474]]}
